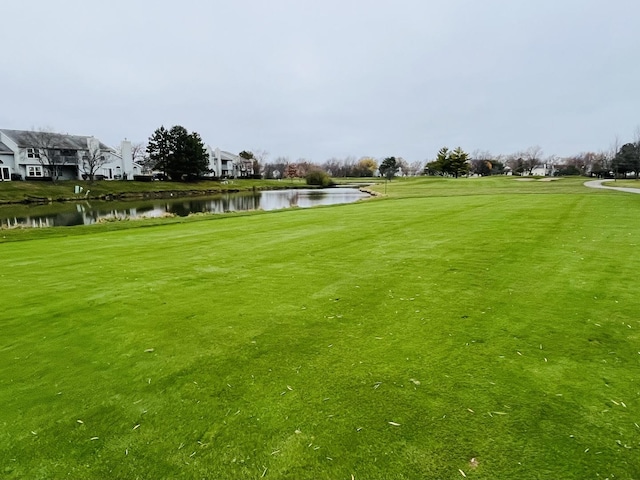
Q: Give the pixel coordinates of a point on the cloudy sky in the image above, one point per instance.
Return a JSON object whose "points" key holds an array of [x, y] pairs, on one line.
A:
{"points": [[330, 78]]}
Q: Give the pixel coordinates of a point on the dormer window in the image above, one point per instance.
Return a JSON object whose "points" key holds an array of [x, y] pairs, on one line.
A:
{"points": [[33, 153]]}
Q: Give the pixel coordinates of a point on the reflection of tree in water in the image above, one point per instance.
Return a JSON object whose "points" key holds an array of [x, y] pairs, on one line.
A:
{"points": [[293, 198], [244, 202], [181, 209], [229, 202], [68, 219], [144, 209]]}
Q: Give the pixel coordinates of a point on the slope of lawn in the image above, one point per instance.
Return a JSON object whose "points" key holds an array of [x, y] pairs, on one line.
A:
{"points": [[421, 336]]}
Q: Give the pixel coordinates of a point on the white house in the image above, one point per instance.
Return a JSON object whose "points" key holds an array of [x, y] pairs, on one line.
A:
{"points": [[25, 154], [6, 162], [228, 165], [543, 170]]}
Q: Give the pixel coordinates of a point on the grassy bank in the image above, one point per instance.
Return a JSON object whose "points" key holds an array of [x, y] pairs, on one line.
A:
{"points": [[481, 328], [15, 192]]}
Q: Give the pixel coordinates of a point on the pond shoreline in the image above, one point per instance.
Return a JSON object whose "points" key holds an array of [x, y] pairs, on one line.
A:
{"points": [[156, 194], [92, 210]]}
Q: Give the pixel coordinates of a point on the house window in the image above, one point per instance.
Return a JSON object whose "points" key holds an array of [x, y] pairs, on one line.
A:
{"points": [[5, 174], [35, 171], [33, 153]]}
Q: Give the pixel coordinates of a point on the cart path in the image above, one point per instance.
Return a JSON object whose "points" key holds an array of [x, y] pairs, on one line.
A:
{"points": [[598, 184]]}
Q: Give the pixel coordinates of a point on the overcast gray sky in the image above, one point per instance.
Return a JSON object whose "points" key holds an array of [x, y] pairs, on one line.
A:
{"points": [[328, 78]]}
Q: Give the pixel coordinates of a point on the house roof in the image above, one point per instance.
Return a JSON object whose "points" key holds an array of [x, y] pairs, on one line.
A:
{"points": [[30, 139], [4, 148], [224, 155]]}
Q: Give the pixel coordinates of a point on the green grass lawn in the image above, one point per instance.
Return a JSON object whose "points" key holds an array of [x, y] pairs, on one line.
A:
{"points": [[478, 327], [631, 183]]}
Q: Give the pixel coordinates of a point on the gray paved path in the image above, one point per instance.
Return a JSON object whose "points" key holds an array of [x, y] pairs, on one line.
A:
{"points": [[598, 184]]}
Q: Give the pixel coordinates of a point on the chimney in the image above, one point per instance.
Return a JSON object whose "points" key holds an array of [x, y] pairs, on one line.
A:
{"points": [[127, 159]]}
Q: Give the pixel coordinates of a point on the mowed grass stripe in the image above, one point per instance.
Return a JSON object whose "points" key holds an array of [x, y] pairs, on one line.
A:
{"points": [[494, 327]]}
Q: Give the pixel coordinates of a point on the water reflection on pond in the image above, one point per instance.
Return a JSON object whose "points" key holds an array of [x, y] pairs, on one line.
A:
{"points": [[89, 212]]}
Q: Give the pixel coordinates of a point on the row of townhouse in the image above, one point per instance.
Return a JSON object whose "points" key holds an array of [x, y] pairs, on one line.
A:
{"points": [[29, 155]]}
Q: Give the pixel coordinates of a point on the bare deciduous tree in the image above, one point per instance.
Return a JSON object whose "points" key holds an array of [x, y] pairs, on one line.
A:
{"points": [[416, 167], [92, 159], [47, 145], [403, 166], [138, 155], [138, 152], [276, 169], [531, 157], [481, 162], [613, 151]]}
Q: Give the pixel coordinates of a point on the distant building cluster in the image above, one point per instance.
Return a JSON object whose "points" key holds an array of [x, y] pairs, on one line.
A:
{"points": [[41, 155]]}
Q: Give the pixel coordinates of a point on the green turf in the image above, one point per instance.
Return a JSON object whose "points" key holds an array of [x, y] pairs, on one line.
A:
{"points": [[395, 338], [631, 183]]}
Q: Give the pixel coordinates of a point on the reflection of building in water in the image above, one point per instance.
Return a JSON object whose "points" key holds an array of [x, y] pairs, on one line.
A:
{"points": [[41, 222], [249, 201], [17, 222], [86, 213]]}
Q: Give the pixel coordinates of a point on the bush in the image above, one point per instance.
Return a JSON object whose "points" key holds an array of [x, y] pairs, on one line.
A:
{"points": [[318, 177], [143, 178], [567, 170], [39, 179]]}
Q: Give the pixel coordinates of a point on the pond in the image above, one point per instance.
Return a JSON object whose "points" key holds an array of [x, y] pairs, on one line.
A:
{"points": [[89, 212]]}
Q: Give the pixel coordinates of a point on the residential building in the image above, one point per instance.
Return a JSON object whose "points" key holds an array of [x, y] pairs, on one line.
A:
{"points": [[33, 155], [228, 165]]}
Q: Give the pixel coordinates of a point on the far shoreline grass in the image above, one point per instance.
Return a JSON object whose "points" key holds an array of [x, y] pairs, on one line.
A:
{"points": [[20, 192]]}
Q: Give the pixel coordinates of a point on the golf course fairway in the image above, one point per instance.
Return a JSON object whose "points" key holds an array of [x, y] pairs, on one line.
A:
{"points": [[453, 328]]}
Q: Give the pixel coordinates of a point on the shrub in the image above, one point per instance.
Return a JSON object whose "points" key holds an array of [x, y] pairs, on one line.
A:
{"points": [[318, 177], [38, 179], [143, 178], [567, 170]]}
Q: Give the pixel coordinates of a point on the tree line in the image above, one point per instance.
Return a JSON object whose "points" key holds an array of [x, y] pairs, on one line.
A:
{"points": [[180, 154]]}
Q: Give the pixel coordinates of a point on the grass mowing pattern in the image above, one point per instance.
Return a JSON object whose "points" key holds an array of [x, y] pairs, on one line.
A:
{"points": [[288, 345]]}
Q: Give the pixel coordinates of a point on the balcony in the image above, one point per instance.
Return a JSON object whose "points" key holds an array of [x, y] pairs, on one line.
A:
{"points": [[65, 159]]}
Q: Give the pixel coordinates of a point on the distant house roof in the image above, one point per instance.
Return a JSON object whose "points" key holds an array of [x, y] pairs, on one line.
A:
{"points": [[4, 148], [228, 156], [30, 139]]}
